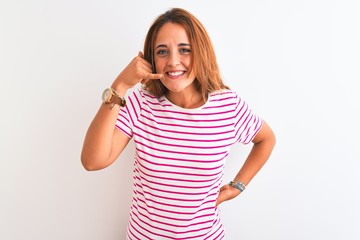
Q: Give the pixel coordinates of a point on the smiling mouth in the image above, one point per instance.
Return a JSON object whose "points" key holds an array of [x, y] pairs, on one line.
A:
{"points": [[175, 73]]}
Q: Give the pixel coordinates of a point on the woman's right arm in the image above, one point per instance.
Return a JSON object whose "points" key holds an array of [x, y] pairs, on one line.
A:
{"points": [[103, 142]]}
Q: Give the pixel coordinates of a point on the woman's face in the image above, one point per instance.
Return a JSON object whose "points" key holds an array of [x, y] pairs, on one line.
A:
{"points": [[173, 57]]}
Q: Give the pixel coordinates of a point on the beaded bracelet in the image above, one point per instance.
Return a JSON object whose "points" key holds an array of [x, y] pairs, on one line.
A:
{"points": [[238, 185]]}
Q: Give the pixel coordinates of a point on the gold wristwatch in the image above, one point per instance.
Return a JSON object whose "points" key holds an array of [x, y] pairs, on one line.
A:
{"points": [[111, 96]]}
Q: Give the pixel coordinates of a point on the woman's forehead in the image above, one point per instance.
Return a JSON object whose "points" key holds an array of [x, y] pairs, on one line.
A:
{"points": [[171, 33]]}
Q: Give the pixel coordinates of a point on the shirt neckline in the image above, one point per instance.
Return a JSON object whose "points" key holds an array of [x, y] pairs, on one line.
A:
{"points": [[186, 109]]}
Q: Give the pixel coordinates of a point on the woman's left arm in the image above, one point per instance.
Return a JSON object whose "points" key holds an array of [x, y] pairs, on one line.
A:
{"points": [[264, 142]]}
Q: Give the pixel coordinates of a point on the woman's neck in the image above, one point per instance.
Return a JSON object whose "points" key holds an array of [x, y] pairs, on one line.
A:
{"points": [[186, 99]]}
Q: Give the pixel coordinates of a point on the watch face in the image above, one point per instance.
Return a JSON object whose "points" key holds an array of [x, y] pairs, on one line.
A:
{"points": [[106, 96]]}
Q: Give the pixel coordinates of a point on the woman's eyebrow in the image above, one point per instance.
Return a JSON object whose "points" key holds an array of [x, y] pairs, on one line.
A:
{"points": [[179, 45], [161, 45], [184, 44]]}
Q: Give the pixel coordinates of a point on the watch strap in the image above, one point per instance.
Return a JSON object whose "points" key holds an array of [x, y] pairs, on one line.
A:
{"points": [[117, 99]]}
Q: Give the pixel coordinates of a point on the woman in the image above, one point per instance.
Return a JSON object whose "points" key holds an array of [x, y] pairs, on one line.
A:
{"points": [[183, 120]]}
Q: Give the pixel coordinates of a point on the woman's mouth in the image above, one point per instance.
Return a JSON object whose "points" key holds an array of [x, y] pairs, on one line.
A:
{"points": [[175, 74]]}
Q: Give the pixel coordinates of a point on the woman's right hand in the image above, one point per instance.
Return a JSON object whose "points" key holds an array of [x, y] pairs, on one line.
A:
{"points": [[138, 70]]}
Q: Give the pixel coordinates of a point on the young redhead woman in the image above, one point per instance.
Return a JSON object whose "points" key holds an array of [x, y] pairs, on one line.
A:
{"points": [[183, 120]]}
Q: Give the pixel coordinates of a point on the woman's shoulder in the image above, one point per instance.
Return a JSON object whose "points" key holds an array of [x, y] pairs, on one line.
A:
{"points": [[138, 94], [224, 94], [139, 91]]}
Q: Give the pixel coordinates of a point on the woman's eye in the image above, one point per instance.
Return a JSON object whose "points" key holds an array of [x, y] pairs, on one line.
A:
{"points": [[162, 52], [185, 50]]}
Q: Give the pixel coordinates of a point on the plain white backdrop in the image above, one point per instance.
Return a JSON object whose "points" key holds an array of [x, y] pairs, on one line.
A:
{"points": [[297, 63]]}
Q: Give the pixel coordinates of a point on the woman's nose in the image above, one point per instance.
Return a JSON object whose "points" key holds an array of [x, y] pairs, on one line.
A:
{"points": [[174, 59]]}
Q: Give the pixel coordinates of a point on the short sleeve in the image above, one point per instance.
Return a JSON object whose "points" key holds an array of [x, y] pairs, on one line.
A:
{"points": [[129, 114], [247, 123], [123, 122]]}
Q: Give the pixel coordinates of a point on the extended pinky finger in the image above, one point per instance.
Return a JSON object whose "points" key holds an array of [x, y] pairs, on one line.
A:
{"points": [[154, 76]]}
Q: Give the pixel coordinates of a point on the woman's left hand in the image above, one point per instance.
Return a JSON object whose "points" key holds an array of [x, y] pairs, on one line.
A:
{"points": [[226, 193]]}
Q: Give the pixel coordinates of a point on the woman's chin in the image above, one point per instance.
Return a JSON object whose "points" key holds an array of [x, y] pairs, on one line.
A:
{"points": [[178, 86]]}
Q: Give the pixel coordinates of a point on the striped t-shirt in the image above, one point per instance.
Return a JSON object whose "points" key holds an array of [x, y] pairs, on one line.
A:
{"points": [[179, 162]]}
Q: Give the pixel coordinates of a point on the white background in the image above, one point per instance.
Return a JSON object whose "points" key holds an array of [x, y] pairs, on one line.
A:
{"points": [[295, 62]]}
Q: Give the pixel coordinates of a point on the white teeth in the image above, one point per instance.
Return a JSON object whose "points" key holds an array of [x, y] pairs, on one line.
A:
{"points": [[175, 73]]}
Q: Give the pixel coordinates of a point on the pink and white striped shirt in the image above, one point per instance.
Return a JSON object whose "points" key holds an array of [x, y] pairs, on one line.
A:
{"points": [[179, 162]]}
